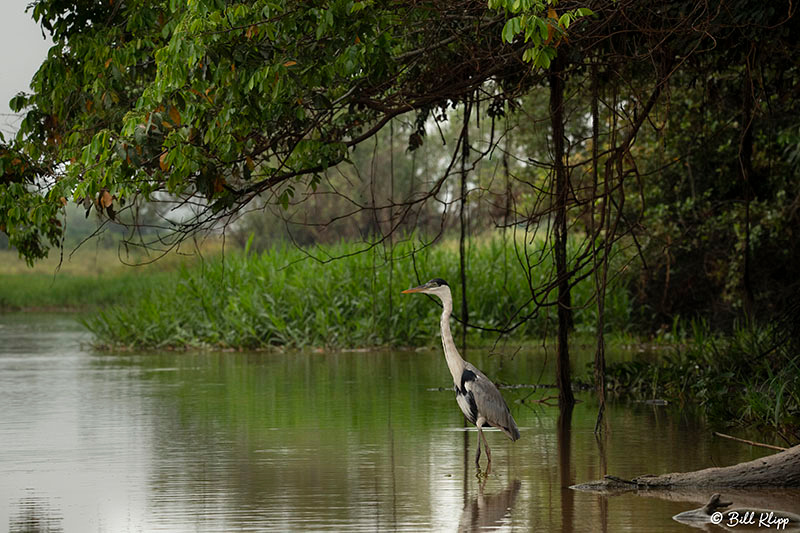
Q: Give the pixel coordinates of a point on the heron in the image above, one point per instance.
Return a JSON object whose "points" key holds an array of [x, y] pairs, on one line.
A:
{"points": [[478, 398]]}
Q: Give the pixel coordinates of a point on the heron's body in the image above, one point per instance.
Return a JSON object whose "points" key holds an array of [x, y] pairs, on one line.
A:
{"points": [[478, 398]]}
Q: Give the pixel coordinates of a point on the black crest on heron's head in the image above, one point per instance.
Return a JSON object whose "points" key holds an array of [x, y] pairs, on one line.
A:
{"points": [[439, 282]]}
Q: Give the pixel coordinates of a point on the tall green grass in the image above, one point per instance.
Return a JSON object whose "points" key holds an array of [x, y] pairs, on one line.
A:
{"points": [[283, 297]]}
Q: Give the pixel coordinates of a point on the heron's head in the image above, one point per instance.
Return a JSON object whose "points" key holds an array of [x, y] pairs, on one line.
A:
{"points": [[436, 286]]}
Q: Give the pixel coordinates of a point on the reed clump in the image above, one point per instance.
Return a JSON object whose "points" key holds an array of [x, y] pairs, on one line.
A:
{"points": [[750, 377]]}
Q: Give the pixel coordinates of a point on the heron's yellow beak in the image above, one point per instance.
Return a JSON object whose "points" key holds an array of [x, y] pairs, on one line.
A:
{"points": [[415, 289]]}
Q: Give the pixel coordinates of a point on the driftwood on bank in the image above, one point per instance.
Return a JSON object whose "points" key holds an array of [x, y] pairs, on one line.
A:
{"points": [[779, 470]]}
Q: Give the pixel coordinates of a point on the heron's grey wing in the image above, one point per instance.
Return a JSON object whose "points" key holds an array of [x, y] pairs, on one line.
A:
{"points": [[491, 405]]}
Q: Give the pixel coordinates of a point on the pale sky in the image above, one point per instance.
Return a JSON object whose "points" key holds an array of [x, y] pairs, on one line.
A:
{"points": [[22, 50]]}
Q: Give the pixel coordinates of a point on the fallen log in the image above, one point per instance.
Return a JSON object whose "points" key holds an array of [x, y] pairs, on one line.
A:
{"points": [[779, 470]]}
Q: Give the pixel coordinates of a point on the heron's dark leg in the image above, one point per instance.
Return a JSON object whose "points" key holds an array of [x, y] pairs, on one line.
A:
{"points": [[478, 454], [488, 451]]}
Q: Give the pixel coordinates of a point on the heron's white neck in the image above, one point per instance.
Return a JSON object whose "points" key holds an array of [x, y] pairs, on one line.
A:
{"points": [[454, 361]]}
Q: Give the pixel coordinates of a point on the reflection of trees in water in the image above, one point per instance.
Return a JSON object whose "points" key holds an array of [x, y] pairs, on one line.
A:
{"points": [[485, 511], [564, 438], [34, 514]]}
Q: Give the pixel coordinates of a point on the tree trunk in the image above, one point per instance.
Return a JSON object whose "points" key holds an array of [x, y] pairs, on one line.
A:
{"points": [[565, 396], [600, 266], [746, 168], [779, 470], [462, 252]]}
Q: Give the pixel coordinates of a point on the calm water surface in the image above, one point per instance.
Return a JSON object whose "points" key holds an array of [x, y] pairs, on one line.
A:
{"points": [[360, 441]]}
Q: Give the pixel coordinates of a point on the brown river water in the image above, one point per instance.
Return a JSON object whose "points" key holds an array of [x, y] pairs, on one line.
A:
{"points": [[312, 441]]}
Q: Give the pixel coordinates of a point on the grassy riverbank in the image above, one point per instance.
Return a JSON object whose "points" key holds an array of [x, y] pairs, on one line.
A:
{"points": [[284, 297], [749, 378], [88, 280], [70, 292]]}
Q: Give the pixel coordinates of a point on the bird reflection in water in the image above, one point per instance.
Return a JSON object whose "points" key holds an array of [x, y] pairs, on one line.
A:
{"points": [[488, 510]]}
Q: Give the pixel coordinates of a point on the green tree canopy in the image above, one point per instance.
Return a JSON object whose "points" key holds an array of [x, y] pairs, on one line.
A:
{"points": [[219, 102]]}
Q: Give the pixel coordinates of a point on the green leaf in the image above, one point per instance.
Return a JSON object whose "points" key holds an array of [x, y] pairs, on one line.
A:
{"points": [[508, 32]]}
